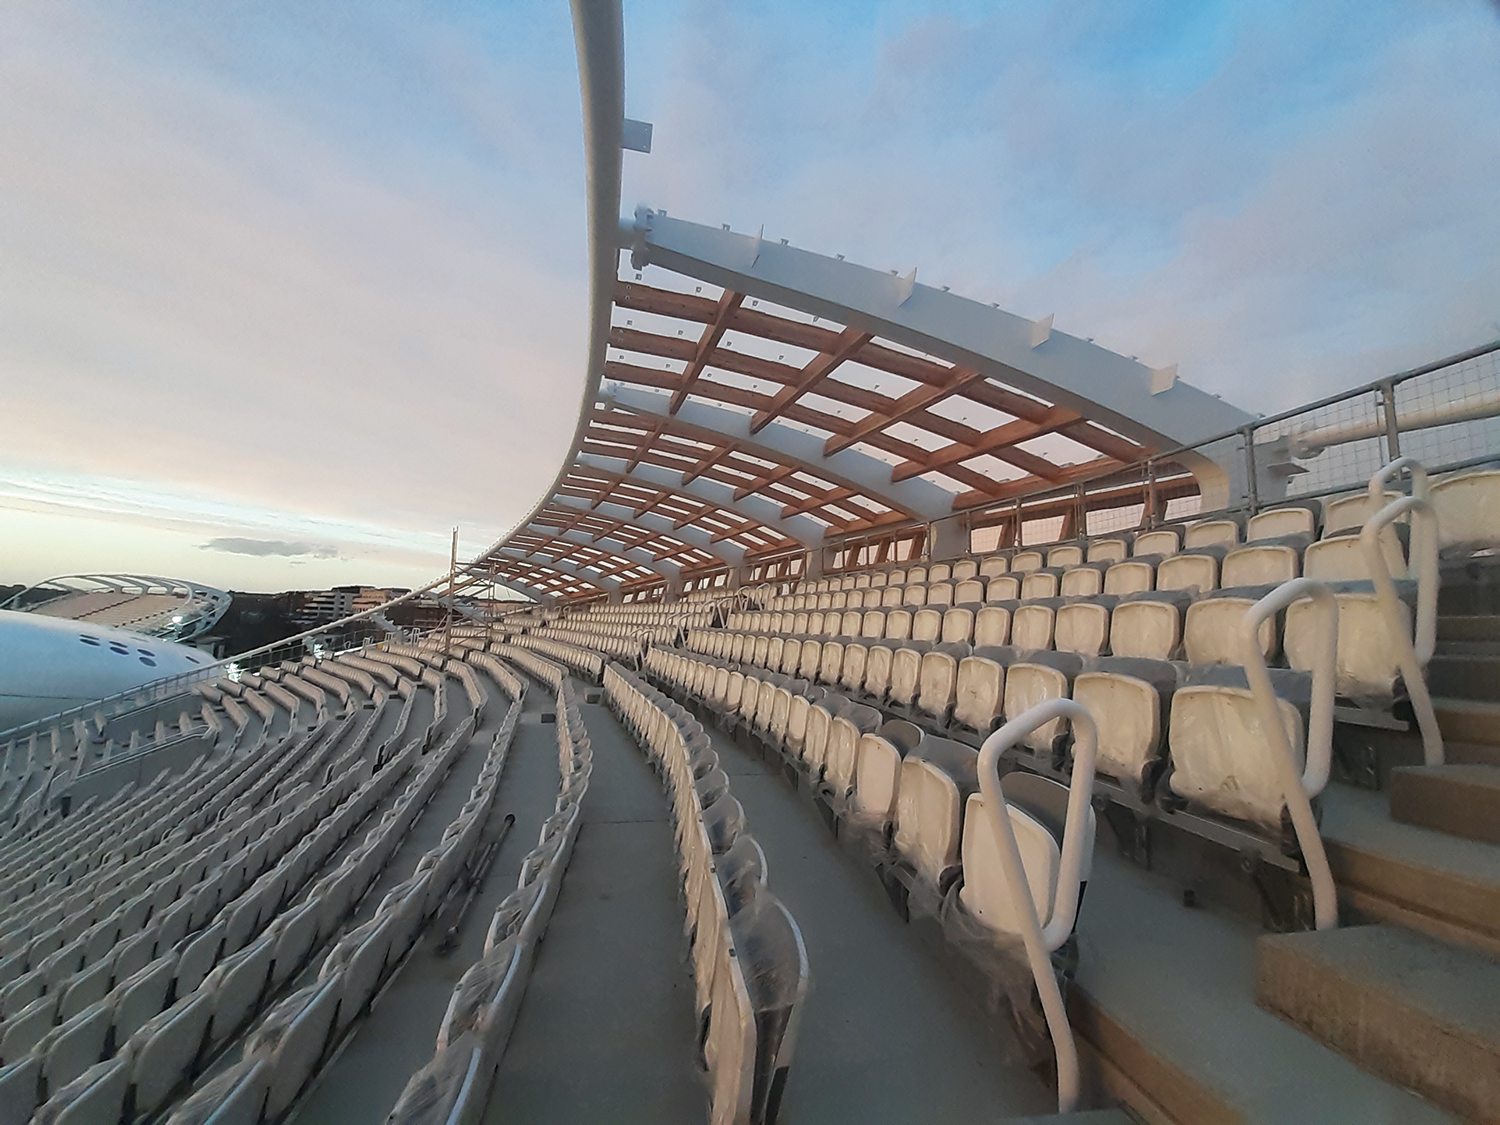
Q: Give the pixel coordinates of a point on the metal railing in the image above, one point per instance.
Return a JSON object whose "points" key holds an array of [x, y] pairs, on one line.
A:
{"points": [[1041, 940], [1298, 787]]}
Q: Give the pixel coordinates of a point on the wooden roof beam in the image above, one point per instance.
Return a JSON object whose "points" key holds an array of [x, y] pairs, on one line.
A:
{"points": [[850, 340], [729, 300]]}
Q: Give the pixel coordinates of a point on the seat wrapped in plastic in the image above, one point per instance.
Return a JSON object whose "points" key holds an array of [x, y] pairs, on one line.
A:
{"points": [[165, 1048], [97, 1094], [773, 959], [235, 1097], [1134, 575], [1003, 588], [1291, 519], [1212, 626], [742, 872], [1195, 569], [449, 1090], [906, 665], [1159, 541], [991, 565], [936, 779], [1083, 581], [1468, 510], [970, 591], [1219, 760], [1082, 626], [1039, 584], [1216, 531], [1038, 812], [1111, 549], [723, 821], [1267, 562], [843, 741], [979, 694], [1149, 625], [1032, 624], [1366, 665], [1036, 678], [1341, 558], [1023, 561], [937, 680], [487, 997], [1129, 699], [927, 625]]}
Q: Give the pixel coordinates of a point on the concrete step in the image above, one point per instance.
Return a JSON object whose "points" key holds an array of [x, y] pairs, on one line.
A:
{"points": [[1464, 677], [1471, 753], [1469, 627], [1163, 1007], [1082, 1117], [1439, 884], [1468, 720], [1414, 1011], [1460, 799], [1468, 648]]}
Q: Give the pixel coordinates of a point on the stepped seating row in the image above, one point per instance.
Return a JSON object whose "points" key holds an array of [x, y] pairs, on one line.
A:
{"points": [[585, 661], [621, 641], [1466, 504], [1200, 628], [1176, 741], [454, 1088], [201, 877], [202, 900], [749, 964], [301, 1031], [1202, 568]]}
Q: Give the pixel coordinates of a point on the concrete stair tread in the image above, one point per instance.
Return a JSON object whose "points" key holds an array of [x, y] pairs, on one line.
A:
{"points": [[1417, 1011], [1167, 995], [1468, 720], [1471, 753], [1461, 799], [1465, 676], [1469, 627], [1386, 870]]}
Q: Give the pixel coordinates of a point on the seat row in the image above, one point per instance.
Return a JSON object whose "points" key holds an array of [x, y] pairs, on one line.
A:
{"points": [[1177, 741], [749, 963], [301, 1031], [454, 1087]]}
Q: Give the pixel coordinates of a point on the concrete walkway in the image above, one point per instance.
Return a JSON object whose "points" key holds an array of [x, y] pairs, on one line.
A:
{"points": [[605, 1032], [886, 1035]]}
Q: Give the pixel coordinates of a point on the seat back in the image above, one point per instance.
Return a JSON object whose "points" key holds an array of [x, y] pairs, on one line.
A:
{"points": [[936, 780], [1111, 550], [1134, 576], [992, 626], [1148, 626], [1003, 588], [1128, 699], [1032, 624], [979, 693], [1212, 627], [958, 626], [1083, 627], [1273, 523]]}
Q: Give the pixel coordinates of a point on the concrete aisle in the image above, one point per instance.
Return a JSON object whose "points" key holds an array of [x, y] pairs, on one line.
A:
{"points": [[605, 1031], [886, 1035], [396, 1038]]}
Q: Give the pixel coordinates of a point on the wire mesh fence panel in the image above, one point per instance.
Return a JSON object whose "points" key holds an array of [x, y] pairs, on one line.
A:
{"points": [[1331, 447], [1448, 416]]}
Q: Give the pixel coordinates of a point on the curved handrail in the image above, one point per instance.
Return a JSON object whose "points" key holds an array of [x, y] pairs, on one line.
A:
{"points": [[1040, 941], [1391, 470], [1299, 789], [1412, 654]]}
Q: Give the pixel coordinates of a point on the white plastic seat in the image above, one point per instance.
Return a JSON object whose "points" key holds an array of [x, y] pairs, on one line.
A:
{"points": [[927, 625], [992, 626], [1023, 561], [1036, 679], [1039, 584], [1342, 559], [1219, 760], [1003, 588], [1083, 627], [1110, 550], [986, 893], [1264, 563], [937, 680], [979, 692], [74, 1046], [1127, 698], [906, 666], [914, 595], [1065, 555], [1350, 512], [1133, 576], [1191, 570], [1366, 665], [1274, 523], [1160, 541], [968, 591], [892, 597], [936, 780], [993, 565], [852, 672], [165, 1048], [965, 569], [1468, 510], [1212, 626]]}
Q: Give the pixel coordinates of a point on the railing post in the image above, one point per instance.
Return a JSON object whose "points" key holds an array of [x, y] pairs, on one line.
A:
{"points": [[1150, 514], [1252, 485], [1299, 789], [1387, 392], [1041, 940]]}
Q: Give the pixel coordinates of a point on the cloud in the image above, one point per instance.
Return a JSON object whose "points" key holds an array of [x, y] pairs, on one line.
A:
{"points": [[235, 545]]}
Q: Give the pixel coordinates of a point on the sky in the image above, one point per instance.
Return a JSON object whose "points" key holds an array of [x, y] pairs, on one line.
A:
{"points": [[288, 291]]}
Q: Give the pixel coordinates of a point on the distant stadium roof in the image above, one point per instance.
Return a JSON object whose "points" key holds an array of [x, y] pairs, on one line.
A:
{"points": [[169, 608], [749, 400]]}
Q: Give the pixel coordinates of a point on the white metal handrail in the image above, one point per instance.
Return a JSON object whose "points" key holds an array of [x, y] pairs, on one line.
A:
{"points": [[1041, 940], [1412, 652], [1298, 789]]}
